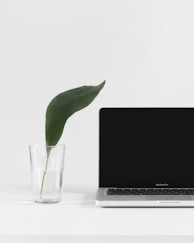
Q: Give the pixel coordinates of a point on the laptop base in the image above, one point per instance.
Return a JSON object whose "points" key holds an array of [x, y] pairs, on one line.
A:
{"points": [[104, 200]]}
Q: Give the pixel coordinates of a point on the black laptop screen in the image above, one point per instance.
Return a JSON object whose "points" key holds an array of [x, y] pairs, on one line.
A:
{"points": [[147, 147]]}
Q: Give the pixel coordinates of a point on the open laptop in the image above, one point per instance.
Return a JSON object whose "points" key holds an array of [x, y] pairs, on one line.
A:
{"points": [[146, 157]]}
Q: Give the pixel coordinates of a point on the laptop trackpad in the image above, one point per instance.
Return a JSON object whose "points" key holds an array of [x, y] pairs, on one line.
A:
{"points": [[167, 197]]}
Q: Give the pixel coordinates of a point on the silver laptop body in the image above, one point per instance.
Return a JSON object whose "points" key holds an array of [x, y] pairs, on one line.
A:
{"points": [[146, 157]]}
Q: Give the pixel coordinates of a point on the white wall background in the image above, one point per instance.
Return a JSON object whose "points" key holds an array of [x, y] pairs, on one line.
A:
{"points": [[143, 48]]}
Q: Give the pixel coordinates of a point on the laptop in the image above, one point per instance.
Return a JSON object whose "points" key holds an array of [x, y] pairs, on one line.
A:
{"points": [[146, 157]]}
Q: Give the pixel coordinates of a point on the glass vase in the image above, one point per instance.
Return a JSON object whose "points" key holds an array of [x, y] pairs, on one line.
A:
{"points": [[47, 164]]}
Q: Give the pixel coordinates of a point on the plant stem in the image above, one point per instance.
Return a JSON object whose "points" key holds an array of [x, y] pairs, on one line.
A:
{"points": [[44, 174]]}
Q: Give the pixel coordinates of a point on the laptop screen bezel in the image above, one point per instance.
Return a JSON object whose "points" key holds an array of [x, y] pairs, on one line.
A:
{"points": [[155, 184]]}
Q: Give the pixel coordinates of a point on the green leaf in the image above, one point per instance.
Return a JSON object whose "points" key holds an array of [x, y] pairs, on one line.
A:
{"points": [[63, 106]]}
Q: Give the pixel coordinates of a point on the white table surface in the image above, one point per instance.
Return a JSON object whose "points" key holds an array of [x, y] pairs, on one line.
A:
{"points": [[77, 216]]}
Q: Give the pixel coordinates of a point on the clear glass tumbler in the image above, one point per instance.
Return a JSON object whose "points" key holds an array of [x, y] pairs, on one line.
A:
{"points": [[47, 164]]}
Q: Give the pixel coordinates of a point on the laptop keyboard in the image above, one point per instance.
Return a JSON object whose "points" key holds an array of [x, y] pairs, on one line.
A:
{"points": [[150, 191]]}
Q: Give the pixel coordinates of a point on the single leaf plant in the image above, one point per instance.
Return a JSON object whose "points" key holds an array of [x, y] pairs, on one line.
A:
{"points": [[60, 109]]}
